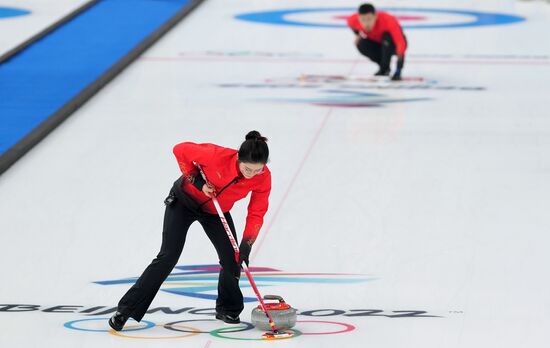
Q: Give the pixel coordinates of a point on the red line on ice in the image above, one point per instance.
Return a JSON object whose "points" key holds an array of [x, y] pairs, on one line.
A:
{"points": [[298, 171]]}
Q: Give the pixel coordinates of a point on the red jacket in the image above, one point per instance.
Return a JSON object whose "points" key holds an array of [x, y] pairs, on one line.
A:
{"points": [[221, 168], [385, 22]]}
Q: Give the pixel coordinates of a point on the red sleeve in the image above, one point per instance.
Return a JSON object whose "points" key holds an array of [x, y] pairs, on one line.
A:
{"points": [[257, 207], [397, 35], [353, 22], [187, 153]]}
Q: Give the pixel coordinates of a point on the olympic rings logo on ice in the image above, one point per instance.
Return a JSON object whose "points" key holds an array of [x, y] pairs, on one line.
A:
{"points": [[7, 12], [186, 328], [422, 18]]}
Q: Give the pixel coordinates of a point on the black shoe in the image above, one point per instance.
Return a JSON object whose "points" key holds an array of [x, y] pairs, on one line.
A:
{"points": [[382, 72], [229, 319], [117, 321]]}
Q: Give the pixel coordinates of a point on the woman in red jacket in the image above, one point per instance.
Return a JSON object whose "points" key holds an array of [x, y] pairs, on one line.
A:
{"points": [[232, 175]]}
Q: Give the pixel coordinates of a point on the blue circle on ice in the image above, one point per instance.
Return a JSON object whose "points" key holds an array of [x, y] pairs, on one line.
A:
{"points": [[6, 12], [471, 18]]}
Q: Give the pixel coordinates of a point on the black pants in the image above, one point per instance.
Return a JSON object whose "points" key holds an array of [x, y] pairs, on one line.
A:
{"points": [[380, 53], [178, 217]]}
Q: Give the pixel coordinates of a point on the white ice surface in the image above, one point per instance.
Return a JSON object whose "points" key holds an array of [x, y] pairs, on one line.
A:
{"points": [[444, 201]]}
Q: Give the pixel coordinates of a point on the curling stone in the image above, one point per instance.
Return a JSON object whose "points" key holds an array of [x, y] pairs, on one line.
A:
{"points": [[283, 315]]}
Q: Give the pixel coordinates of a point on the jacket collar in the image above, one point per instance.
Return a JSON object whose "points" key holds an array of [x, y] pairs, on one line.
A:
{"points": [[234, 167]]}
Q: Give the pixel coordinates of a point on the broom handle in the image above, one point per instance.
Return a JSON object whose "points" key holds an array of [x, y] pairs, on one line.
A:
{"points": [[236, 249], [244, 266]]}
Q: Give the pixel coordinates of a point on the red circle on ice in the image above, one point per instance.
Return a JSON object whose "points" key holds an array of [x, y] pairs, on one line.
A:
{"points": [[347, 327]]}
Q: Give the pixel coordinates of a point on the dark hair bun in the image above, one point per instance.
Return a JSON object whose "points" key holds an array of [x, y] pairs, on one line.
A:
{"points": [[255, 135], [254, 149]]}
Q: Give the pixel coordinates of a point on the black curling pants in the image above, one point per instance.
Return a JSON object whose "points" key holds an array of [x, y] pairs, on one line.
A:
{"points": [[178, 217], [380, 53]]}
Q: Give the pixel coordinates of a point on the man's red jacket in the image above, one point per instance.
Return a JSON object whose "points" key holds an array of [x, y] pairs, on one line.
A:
{"points": [[385, 22], [221, 169]]}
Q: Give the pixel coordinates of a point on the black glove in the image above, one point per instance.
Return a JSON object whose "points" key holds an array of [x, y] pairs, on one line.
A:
{"points": [[198, 182], [400, 63], [244, 251], [396, 76]]}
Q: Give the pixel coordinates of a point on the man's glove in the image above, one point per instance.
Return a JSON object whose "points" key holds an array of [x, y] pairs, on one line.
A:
{"points": [[400, 63], [396, 76], [244, 251]]}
